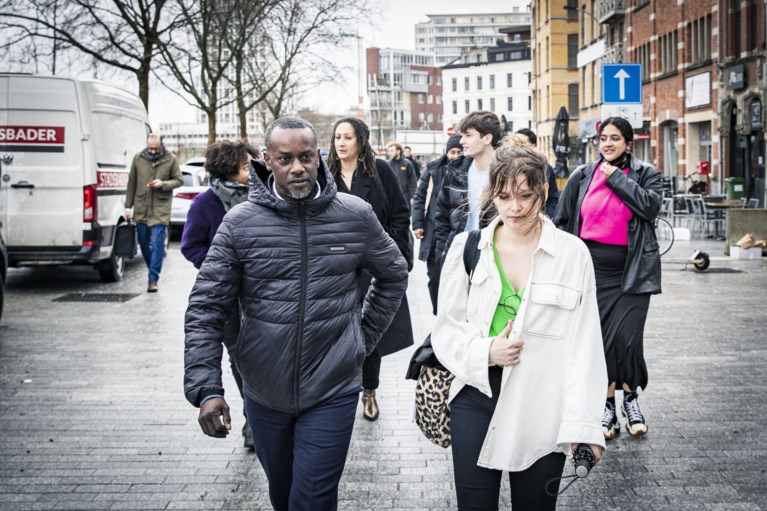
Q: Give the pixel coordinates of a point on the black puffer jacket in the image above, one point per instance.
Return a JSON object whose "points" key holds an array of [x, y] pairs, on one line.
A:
{"points": [[453, 205], [641, 192], [295, 268]]}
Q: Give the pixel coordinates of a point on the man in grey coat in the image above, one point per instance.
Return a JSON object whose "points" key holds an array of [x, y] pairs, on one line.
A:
{"points": [[292, 254]]}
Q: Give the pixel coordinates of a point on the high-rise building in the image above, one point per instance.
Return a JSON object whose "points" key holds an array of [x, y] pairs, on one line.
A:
{"points": [[446, 36]]}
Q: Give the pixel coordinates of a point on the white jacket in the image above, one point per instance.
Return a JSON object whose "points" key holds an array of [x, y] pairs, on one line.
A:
{"points": [[556, 395]]}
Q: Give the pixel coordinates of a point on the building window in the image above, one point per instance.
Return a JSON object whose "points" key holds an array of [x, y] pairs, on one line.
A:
{"points": [[530, 100], [572, 99], [455, 107], [421, 98], [492, 82], [509, 80], [643, 57], [572, 51], [479, 104], [510, 104], [455, 84], [467, 106], [668, 53], [492, 104], [466, 83], [479, 83], [700, 40], [572, 9], [430, 99]]}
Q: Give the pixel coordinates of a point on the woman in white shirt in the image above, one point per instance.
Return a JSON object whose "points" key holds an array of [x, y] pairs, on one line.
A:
{"points": [[523, 340]]}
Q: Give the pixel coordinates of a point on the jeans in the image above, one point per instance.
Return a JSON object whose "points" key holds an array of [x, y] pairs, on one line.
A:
{"points": [[432, 271], [371, 370], [152, 243], [478, 488], [303, 455]]}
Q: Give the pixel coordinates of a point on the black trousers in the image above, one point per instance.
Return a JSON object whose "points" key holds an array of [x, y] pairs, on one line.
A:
{"points": [[478, 488], [433, 269], [371, 369]]}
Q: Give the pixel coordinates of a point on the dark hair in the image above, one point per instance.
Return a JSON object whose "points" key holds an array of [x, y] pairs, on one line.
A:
{"points": [[507, 163], [224, 158], [484, 122], [623, 125], [365, 155], [530, 134], [288, 123], [407, 147]]}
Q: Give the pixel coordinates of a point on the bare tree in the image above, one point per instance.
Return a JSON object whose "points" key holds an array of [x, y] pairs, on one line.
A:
{"points": [[199, 55], [122, 34], [294, 53]]}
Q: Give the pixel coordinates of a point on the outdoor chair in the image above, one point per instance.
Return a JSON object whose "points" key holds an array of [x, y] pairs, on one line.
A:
{"points": [[753, 203]]}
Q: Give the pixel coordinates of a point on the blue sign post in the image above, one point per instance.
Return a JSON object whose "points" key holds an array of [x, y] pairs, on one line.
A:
{"points": [[621, 83]]}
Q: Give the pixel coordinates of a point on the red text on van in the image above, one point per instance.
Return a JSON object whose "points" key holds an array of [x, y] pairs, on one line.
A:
{"points": [[32, 134]]}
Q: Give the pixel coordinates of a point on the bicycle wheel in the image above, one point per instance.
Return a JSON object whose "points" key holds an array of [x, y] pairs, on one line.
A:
{"points": [[664, 233]]}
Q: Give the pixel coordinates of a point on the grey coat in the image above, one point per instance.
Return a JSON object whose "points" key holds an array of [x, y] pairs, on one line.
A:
{"points": [[294, 267]]}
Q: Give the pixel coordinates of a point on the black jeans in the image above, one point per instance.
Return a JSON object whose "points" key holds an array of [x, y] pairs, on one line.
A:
{"points": [[479, 488], [371, 369], [433, 269]]}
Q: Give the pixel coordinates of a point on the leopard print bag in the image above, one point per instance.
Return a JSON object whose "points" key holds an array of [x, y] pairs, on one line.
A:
{"points": [[431, 411]]}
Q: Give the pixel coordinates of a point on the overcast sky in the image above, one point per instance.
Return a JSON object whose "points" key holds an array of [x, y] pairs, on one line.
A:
{"points": [[395, 28]]}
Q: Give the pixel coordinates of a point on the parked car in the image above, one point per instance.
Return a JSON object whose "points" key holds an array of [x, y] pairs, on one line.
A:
{"points": [[195, 182]]}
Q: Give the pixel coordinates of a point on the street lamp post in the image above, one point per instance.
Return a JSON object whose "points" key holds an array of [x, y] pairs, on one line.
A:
{"points": [[360, 103]]}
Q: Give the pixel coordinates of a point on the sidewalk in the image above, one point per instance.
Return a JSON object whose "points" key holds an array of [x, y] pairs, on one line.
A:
{"points": [[95, 418]]}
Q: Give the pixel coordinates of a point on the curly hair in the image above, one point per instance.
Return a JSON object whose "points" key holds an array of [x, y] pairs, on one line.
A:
{"points": [[224, 158], [366, 157], [509, 162]]}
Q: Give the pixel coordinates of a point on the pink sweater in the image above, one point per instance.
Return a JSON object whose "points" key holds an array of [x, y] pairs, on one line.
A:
{"points": [[604, 217]]}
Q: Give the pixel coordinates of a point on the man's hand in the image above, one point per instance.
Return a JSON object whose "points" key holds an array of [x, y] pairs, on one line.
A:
{"points": [[214, 418], [157, 183], [504, 352], [594, 448], [418, 233], [128, 214]]}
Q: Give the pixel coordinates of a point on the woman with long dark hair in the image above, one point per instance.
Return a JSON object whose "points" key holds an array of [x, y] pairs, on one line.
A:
{"points": [[357, 171], [611, 204]]}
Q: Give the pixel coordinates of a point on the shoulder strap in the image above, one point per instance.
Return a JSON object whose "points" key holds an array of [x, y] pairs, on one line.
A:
{"points": [[471, 252]]}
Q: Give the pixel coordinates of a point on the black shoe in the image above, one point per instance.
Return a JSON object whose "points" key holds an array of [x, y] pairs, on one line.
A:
{"points": [[248, 436], [610, 425], [637, 425]]}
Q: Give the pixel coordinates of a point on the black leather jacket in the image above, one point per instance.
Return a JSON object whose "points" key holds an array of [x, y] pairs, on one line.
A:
{"points": [[641, 191], [295, 268]]}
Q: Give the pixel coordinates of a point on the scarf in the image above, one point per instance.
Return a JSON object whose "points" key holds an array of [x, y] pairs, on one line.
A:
{"points": [[231, 193], [621, 161], [154, 157]]}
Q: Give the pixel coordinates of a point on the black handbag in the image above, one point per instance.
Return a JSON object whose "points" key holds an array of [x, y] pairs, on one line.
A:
{"points": [[126, 243]]}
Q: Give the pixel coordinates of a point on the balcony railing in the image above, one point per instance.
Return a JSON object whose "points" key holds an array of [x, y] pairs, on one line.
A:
{"points": [[614, 55], [611, 10]]}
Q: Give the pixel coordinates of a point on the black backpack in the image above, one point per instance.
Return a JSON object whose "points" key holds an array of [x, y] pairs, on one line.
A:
{"points": [[424, 355]]}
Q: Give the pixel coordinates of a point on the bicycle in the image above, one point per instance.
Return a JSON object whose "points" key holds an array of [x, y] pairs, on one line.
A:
{"points": [[664, 233]]}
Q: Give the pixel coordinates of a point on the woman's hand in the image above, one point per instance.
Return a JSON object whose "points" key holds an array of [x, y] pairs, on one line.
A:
{"points": [[597, 450], [608, 169], [418, 233], [503, 351]]}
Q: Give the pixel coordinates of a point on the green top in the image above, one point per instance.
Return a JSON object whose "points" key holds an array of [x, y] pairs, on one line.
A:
{"points": [[508, 303]]}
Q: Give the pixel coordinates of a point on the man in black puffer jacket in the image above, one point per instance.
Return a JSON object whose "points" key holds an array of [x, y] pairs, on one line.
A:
{"points": [[292, 255]]}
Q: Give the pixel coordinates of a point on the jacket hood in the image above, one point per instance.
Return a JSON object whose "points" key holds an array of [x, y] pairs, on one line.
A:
{"points": [[262, 182]]}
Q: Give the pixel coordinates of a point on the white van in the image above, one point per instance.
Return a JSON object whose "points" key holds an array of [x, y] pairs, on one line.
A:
{"points": [[66, 147]]}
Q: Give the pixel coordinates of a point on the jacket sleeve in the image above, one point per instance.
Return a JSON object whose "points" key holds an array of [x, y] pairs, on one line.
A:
{"points": [[553, 199], [459, 345], [645, 198], [194, 239], [585, 381], [176, 179], [130, 193], [383, 260], [399, 211], [210, 304], [412, 181], [567, 202], [419, 200], [442, 215]]}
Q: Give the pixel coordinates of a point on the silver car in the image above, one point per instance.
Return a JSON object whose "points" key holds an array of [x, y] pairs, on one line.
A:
{"points": [[195, 182]]}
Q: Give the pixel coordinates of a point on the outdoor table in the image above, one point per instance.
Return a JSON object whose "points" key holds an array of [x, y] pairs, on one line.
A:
{"points": [[722, 206]]}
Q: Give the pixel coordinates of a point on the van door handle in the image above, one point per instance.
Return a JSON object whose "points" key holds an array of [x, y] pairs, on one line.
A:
{"points": [[22, 184]]}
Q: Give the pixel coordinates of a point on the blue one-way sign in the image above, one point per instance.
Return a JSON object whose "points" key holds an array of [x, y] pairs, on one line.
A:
{"points": [[621, 83]]}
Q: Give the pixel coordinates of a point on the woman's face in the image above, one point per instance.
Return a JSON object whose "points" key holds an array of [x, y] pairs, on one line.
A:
{"points": [[611, 143], [244, 173], [517, 205], [345, 141]]}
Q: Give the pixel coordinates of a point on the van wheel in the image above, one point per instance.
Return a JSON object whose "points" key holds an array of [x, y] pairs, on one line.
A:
{"points": [[113, 270]]}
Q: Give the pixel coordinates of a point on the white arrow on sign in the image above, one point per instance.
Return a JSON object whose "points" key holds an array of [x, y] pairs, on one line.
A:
{"points": [[621, 75]]}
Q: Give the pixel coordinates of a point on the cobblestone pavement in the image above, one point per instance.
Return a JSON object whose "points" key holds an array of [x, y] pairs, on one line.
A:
{"points": [[93, 414]]}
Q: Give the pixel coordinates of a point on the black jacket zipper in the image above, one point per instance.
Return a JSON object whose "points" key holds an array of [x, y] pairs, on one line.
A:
{"points": [[301, 302]]}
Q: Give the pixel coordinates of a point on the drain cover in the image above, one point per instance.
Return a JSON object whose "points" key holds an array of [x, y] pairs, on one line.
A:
{"points": [[96, 297]]}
